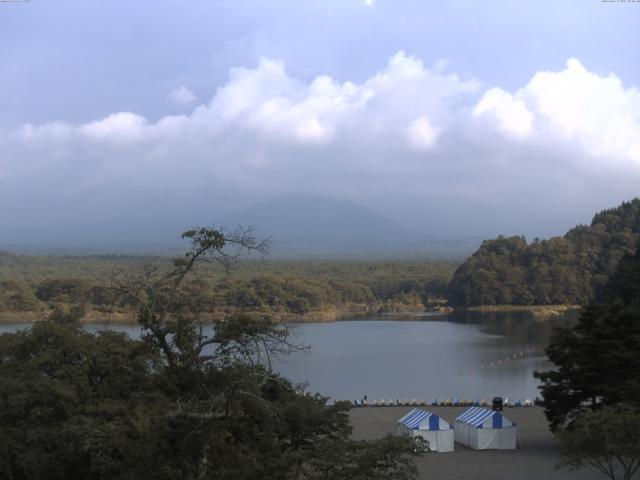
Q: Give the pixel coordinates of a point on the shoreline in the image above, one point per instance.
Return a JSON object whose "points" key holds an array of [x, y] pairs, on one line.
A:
{"points": [[327, 315], [538, 311]]}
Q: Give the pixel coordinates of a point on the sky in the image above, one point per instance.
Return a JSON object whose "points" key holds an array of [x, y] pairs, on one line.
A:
{"points": [[127, 122]]}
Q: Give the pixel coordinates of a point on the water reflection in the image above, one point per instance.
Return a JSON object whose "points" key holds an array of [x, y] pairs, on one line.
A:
{"points": [[522, 327]]}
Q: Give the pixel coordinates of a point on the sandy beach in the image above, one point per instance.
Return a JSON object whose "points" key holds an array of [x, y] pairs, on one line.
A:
{"points": [[535, 458]]}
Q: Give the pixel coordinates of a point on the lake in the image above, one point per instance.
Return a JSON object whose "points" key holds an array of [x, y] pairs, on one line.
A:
{"points": [[464, 355], [421, 356]]}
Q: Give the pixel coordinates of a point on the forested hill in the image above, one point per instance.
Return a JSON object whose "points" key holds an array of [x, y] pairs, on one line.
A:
{"points": [[562, 270]]}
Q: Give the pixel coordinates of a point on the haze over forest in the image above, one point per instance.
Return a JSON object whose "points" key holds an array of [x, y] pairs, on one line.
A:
{"points": [[113, 134]]}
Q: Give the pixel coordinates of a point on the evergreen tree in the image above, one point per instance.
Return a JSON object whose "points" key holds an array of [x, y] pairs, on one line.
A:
{"points": [[598, 360]]}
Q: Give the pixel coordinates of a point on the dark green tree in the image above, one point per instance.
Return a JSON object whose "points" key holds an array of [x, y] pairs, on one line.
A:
{"points": [[73, 404], [571, 269], [598, 360], [607, 439]]}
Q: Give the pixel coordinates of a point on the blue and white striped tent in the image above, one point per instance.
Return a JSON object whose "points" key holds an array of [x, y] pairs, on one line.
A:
{"points": [[484, 429], [420, 423]]}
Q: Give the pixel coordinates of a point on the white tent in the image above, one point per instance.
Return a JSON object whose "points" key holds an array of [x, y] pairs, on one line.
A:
{"points": [[484, 429], [420, 423]]}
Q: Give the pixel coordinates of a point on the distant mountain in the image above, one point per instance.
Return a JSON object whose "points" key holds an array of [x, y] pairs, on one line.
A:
{"points": [[301, 226], [572, 269], [310, 224]]}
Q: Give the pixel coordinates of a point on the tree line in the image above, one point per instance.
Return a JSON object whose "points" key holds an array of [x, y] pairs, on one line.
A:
{"points": [[571, 269], [39, 284]]}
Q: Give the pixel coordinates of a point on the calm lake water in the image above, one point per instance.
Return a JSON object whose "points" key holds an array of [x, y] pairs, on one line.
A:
{"points": [[466, 355], [422, 356]]}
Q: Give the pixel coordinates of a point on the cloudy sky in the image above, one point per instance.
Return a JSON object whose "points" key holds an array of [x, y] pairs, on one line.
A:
{"points": [[127, 122]]}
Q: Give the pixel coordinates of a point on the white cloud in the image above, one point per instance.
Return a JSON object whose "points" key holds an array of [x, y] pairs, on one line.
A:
{"points": [[269, 102], [421, 134], [52, 131], [403, 104], [597, 112], [121, 127], [574, 107], [368, 3], [266, 131], [510, 114], [182, 96]]}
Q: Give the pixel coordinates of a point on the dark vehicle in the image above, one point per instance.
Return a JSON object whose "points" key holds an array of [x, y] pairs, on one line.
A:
{"points": [[497, 404]]}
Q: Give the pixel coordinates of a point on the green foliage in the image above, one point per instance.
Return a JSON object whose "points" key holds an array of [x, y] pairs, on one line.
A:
{"points": [[18, 296], [61, 290], [362, 460], [607, 439], [562, 270], [30, 283], [71, 403], [598, 360], [177, 404]]}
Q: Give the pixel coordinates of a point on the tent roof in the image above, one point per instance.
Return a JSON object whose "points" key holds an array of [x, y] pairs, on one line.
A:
{"points": [[477, 416], [417, 417]]}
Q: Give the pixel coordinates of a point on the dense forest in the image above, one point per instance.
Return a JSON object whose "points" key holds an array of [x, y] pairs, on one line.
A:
{"points": [[571, 269], [32, 286]]}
